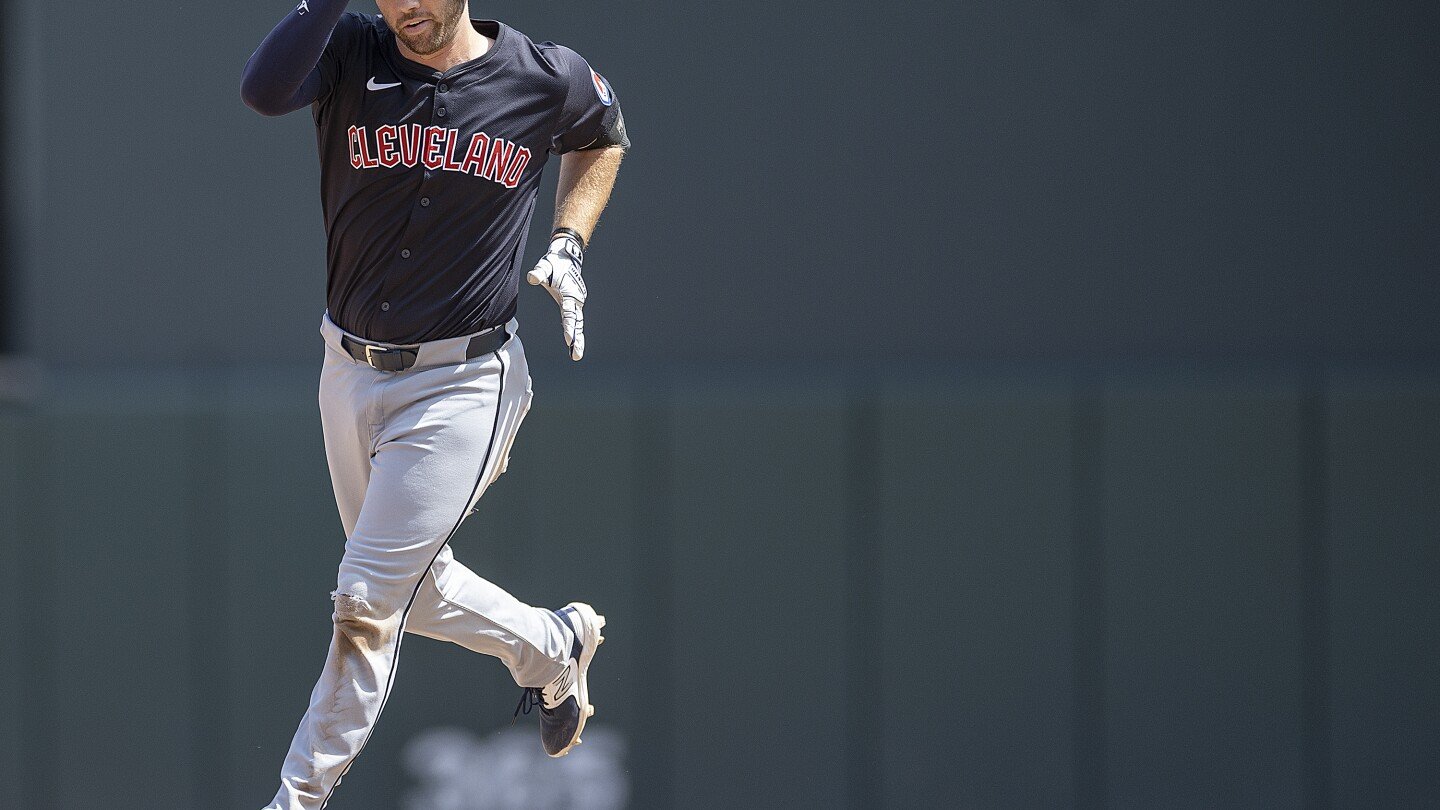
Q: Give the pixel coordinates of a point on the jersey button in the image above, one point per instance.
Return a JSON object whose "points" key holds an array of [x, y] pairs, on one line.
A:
{"points": [[440, 112], [424, 202], [444, 88], [405, 254], [385, 306]]}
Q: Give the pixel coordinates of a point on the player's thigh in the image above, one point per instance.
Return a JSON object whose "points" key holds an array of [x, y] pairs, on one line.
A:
{"points": [[437, 455]]}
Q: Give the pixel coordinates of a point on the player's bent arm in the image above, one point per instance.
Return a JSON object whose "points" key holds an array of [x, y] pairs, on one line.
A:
{"points": [[282, 75], [586, 179]]}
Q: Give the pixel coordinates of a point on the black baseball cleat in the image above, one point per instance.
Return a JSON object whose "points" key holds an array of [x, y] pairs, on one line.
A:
{"points": [[565, 702]]}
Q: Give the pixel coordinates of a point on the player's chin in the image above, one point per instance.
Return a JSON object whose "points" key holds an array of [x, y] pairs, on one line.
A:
{"points": [[421, 46], [423, 39]]}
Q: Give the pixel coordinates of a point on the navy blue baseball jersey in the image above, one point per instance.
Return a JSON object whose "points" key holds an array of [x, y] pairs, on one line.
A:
{"points": [[428, 178]]}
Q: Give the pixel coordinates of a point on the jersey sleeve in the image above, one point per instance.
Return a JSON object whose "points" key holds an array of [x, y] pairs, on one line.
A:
{"points": [[590, 107]]}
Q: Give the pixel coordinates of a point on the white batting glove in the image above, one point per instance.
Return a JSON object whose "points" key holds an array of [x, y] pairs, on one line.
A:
{"points": [[558, 271]]}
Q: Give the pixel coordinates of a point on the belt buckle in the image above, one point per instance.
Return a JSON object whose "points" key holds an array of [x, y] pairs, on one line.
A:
{"points": [[370, 352], [387, 358]]}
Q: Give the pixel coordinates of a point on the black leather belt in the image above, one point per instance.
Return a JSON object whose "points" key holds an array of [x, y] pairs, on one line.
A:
{"points": [[386, 358]]}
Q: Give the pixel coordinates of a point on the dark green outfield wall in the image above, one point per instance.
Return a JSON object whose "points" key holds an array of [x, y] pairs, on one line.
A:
{"points": [[978, 591]]}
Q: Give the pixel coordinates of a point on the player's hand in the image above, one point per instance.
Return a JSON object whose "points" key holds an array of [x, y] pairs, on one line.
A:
{"points": [[558, 271]]}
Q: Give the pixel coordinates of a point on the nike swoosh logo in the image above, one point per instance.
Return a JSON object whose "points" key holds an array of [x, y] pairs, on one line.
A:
{"points": [[371, 85]]}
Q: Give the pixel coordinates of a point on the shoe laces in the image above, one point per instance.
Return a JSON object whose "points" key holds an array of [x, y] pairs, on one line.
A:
{"points": [[530, 697]]}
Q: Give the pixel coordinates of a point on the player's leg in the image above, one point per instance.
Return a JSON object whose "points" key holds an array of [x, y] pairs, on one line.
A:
{"points": [[463, 608], [439, 445], [457, 605]]}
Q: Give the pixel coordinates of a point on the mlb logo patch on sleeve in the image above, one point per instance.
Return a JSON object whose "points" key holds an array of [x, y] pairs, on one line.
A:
{"points": [[602, 88]]}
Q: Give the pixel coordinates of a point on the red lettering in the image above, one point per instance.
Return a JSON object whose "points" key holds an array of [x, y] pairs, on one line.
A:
{"points": [[354, 136], [500, 152], [517, 167], [410, 144], [434, 145], [437, 148], [475, 158], [385, 139], [450, 164], [367, 159]]}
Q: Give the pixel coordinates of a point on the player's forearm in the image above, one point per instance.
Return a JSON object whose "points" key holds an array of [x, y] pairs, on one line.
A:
{"points": [[586, 178], [275, 80]]}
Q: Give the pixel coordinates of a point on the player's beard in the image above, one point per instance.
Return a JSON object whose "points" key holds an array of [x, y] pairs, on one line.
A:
{"points": [[442, 29]]}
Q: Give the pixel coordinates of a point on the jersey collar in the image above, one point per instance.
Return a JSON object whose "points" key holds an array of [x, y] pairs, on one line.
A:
{"points": [[494, 29]]}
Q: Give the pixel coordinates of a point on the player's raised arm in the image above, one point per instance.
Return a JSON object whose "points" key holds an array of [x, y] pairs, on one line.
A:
{"points": [[283, 74]]}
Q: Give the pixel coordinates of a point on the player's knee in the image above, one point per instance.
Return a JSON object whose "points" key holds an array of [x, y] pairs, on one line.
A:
{"points": [[350, 608], [358, 624]]}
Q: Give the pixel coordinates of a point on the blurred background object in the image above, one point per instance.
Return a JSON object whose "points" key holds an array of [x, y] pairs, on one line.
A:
{"points": [[986, 405]]}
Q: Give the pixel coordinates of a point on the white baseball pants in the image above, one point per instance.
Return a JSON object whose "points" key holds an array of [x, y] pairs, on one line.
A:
{"points": [[410, 453]]}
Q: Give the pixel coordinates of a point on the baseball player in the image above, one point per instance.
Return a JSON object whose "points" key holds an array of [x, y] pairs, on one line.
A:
{"points": [[433, 129]]}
